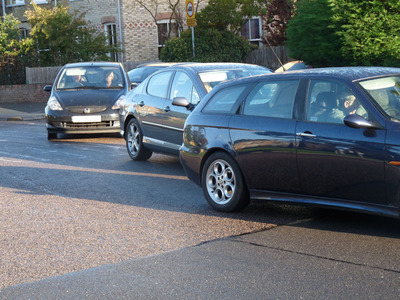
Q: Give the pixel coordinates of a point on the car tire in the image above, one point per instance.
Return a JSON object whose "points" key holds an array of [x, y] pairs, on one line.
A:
{"points": [[223, 184], [134, 142], [51, 135]]}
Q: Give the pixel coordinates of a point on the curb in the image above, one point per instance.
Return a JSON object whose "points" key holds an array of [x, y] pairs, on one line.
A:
{"points": [[27, 117]]}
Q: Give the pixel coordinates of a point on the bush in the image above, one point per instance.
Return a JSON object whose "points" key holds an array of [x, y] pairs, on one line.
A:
{"points": [[211, 45], [342, 32], [369, 31]]}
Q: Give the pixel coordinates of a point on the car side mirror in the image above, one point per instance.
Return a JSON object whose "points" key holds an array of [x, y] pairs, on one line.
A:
{"points": [[183, 102], [356, 121], [47, 88]]}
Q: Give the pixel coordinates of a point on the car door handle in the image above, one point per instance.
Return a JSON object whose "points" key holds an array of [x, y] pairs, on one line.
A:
{"points": [[306, 134], [167, 109], [141, 104]]}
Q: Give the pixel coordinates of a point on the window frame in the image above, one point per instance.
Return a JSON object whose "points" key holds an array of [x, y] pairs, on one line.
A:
{"points": [[11, 3], [250, 33], [112, 39], [290, 82], [167, 91], [168, 22]]}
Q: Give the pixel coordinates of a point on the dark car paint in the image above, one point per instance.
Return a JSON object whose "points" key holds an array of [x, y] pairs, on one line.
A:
{"points": [[74, 101], [337, 166], [162, 122]]}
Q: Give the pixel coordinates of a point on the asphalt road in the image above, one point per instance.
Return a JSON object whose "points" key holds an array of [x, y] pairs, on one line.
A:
{"points": [[79, 219]]}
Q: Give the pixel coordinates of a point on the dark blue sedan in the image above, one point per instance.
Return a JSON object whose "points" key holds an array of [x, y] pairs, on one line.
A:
{"points": [[325, 137]]}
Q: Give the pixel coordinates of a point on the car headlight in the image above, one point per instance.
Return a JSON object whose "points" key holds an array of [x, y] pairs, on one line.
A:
{"points": [[53, 104], [118, 104]]}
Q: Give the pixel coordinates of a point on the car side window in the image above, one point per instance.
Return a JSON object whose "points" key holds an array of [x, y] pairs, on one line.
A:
{"points": [[158, 84], [224, 100], [182, 86], [272, 99], [331, 101]]}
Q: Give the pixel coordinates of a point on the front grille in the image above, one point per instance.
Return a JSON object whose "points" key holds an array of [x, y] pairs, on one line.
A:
{"points": [[81, 109], [89, 125]]}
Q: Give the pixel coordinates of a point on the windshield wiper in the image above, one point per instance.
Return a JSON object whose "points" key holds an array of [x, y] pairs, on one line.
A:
{"points": [[88, 87]]}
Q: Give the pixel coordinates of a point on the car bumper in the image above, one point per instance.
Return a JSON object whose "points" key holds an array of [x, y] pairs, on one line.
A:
{"points": [[191, 164], [62, 122]]}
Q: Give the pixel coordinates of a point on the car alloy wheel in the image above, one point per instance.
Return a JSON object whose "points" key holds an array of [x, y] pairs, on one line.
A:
{"points": [[223, 184], [134, 142]]}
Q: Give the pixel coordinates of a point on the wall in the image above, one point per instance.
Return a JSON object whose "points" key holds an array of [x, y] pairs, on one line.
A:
{"points": [[22, 93]]}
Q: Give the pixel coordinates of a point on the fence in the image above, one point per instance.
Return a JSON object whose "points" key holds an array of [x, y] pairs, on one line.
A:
{"points": [[270, 57]]}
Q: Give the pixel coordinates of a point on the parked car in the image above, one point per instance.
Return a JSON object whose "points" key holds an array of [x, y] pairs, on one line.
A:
{"points": [[151, 120], [85, 98], [324, 137], [142, 71]]}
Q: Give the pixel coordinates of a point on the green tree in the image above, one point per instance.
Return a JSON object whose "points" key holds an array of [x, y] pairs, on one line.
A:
{"points": [[369, 31], [343, 32], [275, 21], [10, 43], [58, 37], [312, 35], [229, 14], [11, 47]]}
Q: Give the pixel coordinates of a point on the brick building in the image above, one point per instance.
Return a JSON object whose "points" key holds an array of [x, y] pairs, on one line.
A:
{"points": [[141, 30]]}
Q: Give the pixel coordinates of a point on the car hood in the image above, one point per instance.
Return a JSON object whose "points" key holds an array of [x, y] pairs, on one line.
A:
{"points": [[101, 97]]}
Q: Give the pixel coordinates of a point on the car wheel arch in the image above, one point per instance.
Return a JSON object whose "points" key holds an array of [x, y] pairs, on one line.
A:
{"points": [[128, 118]]}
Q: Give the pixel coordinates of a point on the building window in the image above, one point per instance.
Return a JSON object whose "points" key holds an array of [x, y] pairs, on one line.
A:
{"points": [[165, 27], [15, 2], [252, 30], [24, 33], [111, 35]]}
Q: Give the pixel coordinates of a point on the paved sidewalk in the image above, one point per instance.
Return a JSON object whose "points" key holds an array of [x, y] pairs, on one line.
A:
{"points": [[22, 111]]}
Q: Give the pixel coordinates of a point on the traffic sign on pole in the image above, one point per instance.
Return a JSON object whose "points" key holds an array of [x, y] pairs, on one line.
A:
{"points": [[190, 14]]}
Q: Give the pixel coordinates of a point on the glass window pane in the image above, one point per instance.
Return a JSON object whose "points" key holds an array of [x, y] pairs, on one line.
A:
{"points": [[255, 29], [331, 102], [386, 93], [245, 31], [158, 84], [182, 86], [224, 101], [272, 99], [162, 33]]}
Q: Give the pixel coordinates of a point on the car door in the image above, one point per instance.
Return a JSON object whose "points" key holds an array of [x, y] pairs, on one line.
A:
{"points": [[263, 136], [150, 107], [175, 116], [334, 160]]}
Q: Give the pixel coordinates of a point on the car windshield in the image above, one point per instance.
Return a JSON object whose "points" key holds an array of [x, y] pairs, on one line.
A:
{"points": [[211, 78], [386, 93], [91, 77]]}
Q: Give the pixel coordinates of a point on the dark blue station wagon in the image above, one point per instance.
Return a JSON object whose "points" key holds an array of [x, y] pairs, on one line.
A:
{"points": [[324, 137]]}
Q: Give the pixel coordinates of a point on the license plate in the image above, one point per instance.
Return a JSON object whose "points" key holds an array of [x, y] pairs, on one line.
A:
{"points": [[86, 119]]}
